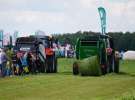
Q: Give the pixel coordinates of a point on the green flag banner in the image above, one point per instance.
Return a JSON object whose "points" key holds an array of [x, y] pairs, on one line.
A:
{"points": [[1, 35], [15, 35], [102, 14], [1, 38]]}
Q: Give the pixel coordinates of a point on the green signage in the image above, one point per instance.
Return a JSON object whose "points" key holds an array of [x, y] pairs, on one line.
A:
{"points": [[102, 14]]}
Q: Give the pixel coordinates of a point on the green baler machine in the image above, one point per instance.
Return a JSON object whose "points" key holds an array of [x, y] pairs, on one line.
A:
{"points": [[95, 53], [89, 46], [92, 48], [93, 57]]}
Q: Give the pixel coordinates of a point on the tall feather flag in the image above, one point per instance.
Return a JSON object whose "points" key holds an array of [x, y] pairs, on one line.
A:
{"points": [[1, 38], [102, 14]]}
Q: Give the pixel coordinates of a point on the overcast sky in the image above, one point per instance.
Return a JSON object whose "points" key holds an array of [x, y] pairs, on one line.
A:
{"points": [[62, 16]]}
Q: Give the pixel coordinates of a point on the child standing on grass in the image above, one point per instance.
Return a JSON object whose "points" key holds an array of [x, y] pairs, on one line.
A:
{"points": [[24, 64], [17, 67], [8, 68], [9, 65]]}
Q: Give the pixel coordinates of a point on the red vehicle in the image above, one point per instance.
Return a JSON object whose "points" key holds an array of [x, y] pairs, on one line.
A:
{"points": [[51, 59], [42, 50], [32, 46]]}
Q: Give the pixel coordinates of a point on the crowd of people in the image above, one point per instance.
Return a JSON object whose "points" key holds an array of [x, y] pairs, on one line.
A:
{"points": [[11, 64], [25, 63], [64, 51]]}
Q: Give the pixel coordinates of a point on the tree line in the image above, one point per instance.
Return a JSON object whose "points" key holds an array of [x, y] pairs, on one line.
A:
{"points": [[122, 41]]}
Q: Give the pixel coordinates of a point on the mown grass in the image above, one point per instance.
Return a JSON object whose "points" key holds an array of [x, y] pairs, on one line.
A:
{"points": [[65, 86]]}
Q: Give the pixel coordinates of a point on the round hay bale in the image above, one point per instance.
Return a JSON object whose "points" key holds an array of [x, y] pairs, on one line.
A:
{"points": [[90, 66]]}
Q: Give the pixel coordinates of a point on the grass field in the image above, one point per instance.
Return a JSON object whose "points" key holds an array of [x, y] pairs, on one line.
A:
{"points": [[65, 86]]}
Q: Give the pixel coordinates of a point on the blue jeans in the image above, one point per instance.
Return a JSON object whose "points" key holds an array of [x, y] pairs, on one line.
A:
{"points": [[0, 66], [3, 69], [0, 70], [8, 72]]}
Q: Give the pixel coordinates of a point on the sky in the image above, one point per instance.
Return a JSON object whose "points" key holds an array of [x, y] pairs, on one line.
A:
{"points": [[63, 16]]}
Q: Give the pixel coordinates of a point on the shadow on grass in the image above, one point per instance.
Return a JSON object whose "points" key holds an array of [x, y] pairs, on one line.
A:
{"points": [[70, 73], [65, 73], [120, 73], [127, 74]]}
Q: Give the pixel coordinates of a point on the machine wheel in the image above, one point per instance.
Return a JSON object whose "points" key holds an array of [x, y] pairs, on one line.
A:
{"points": [[116, 65], [82, 74], [47, 69], [48, 65], [107, 68], [75, 68], [51, 64], [55, 65], [110, 64], [104, 69], [43, 67], [110, 58]]}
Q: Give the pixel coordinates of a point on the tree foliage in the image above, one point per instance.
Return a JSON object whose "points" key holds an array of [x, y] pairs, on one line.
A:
{"points": [[122, 41]]}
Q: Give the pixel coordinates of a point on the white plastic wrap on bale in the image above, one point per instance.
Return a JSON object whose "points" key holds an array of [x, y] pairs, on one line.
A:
{"points": [[129, 55], [90, 66]]}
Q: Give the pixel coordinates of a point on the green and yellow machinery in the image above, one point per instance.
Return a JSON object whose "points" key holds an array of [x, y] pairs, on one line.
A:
{"points": [[95, 53]]}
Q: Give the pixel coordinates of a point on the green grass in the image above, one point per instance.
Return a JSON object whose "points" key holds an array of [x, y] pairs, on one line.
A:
{"points": [[65, 86]]}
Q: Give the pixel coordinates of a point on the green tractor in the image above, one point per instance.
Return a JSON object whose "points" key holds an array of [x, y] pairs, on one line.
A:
{"points": [[95, 53], [97, 45]]}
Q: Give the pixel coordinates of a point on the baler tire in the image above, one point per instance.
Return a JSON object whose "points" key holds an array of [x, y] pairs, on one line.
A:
{"points": [[55, 65], [116, 66], [75, 68]]}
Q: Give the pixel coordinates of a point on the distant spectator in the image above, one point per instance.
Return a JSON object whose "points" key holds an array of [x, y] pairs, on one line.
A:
{"points": [[16, 65], [24, 63], [17, 69], [31, 63], [3, 61], [121, 54], [62, 51], [8, 69], [34, 67], [29, 60], [67, 48], [116, 62], [9, 66]]}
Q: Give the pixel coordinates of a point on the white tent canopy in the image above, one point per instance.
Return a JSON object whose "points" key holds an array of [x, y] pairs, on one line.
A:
{"points": [[129, 55]]}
